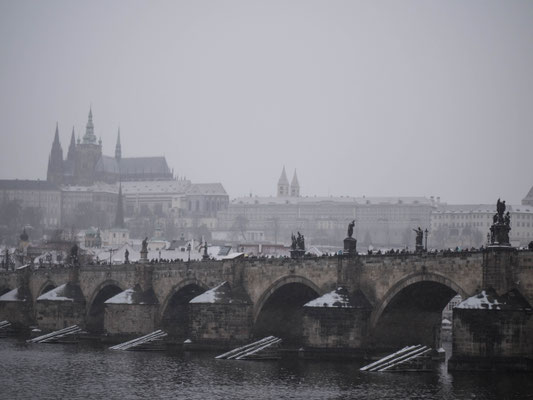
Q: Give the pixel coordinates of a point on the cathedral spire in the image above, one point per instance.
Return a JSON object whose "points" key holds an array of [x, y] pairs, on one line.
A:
{"points": [[283, 184], [118, 148], [89, 137], [295, 186], [55, 161], [56, 136], [72, 146]]}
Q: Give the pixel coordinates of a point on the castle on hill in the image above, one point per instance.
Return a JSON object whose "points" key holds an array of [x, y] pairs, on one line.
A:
{"points": [[86, 164]]}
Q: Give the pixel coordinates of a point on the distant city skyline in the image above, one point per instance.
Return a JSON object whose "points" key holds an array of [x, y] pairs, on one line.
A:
{"points": [[391, 99]]}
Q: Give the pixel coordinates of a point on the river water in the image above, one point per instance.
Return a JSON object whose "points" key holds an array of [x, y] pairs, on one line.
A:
{"points": [[41, 371]]}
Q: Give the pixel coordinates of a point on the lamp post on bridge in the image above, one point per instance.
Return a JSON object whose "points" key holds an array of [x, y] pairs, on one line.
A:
{"points": [[427, 232]]}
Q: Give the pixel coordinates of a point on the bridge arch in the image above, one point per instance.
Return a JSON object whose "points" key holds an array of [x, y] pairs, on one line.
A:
{"points": [[279, 310], [279, 283], [176, 288], [411, 310], [174, 312], [96, 306], [407, 281]]}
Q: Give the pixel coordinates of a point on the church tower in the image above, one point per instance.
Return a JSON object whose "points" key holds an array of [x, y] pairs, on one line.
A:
{"points": [[72, 148], [55, 161], [283, 184], [88, 153], [89, 137], [118, 148], [295, 186]]}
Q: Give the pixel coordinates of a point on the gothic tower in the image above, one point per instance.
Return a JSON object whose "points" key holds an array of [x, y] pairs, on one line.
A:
{"points": [[88, 153], [118, 148], [55, 161], [295, 186], [72, 147], [283, 184]]}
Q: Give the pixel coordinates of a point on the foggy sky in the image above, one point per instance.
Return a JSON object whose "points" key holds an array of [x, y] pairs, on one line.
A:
{"points": [[407, 98]]}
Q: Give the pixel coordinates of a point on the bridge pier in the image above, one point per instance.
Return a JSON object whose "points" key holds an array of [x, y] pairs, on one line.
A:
{"points": [[337, 320], [493, 330], [16, 306], [221, 317], [134, 311]]}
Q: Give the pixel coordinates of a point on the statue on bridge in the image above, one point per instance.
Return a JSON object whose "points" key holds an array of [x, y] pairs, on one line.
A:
{"points": [[300, 241], [74, 254], [126, 257], [419, 239], [351, 225], [297, 245], [294, 243], [144, 250], [350, 244], [499, 231]]}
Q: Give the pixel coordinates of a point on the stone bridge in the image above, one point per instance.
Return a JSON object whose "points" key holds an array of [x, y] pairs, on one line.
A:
{"points": [[222, 303]]}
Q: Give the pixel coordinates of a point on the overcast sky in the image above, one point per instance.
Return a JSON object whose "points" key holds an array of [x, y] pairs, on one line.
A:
{"points": [[406, 98]]}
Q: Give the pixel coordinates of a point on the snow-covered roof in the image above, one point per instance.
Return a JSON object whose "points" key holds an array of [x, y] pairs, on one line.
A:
{"points": [[57, 294], [98, 187], [125, 297], [209, 296], [490, 300], [206, 188], [232, 256], [332, 199], [338, 298], [481, 300], [222, 294], [134, 296], [144, 187], [12, 295], [341, 298], [480, 209]]}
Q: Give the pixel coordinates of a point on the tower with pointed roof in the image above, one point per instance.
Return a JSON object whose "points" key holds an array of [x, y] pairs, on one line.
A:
{"points": [[55, 161], [88, 153], [295, 186], [118, 148], [89, 137], [71, 154], [283, 184]]}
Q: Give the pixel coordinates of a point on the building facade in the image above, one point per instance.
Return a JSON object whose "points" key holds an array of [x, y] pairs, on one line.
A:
{"points": [[34, 194], [380, 221], [467, 225]]}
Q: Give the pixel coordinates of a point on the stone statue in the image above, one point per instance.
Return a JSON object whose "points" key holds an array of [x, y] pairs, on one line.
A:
{"points": [[419, 236], [74, 254], [126, 257], [500, 209], [499, 231], [144, 248], [294, 243], [300, 241], [350, 228]]}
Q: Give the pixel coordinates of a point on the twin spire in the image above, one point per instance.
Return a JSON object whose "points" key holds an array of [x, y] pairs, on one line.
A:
{"points": [[286, 190]]}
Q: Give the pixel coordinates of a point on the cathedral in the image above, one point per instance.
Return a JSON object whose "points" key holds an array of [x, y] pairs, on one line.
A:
{"points": [[85, 164]]}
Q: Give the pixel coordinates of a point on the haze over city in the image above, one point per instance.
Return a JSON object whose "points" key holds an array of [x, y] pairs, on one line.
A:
{"points": [[361, 98]]}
